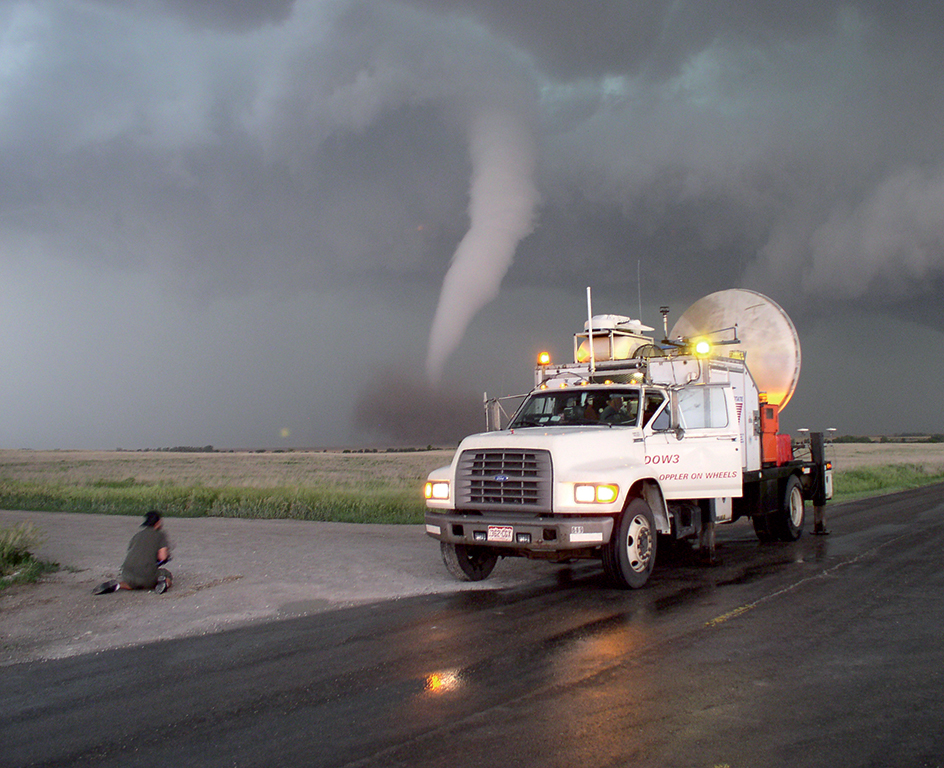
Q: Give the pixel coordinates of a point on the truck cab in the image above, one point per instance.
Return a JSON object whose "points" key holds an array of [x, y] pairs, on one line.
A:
{"points": [[554, 483]]}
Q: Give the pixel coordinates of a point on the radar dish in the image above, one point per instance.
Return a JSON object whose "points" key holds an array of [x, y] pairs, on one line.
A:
{"points": [[765, 332]]}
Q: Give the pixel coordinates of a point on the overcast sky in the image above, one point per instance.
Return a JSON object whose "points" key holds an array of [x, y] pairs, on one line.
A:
{"points": [[287, 224]]}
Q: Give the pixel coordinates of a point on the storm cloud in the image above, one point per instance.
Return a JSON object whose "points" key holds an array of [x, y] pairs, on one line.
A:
{"points": [[247, 212]]}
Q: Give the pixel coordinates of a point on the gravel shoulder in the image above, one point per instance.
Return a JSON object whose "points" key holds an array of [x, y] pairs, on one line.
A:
{"points": [[227, 573]]}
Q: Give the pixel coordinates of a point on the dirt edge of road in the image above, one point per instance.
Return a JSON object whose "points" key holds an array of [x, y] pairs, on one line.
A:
{"points": [[227, 573]]}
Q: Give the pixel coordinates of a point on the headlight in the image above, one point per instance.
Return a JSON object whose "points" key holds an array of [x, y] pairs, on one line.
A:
{"points": [[438, 490], [595, 493]]}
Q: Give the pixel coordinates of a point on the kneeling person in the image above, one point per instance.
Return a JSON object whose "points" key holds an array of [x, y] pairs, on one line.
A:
{"points": [[147, 551]]}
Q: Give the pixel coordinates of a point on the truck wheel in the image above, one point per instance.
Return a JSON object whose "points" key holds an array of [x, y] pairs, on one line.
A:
{"points": [[630, 556], [787, 522], [468, 563], [762, 527]]}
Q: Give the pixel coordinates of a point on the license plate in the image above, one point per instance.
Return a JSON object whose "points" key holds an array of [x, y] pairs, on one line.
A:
{"points": [[501, 533]]}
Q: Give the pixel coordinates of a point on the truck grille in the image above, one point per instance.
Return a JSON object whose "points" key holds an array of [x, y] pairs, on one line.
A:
{"points": [[502, 480]]}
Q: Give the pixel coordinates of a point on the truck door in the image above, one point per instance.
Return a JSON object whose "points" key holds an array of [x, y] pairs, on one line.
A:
{"points": [[692, 441]]}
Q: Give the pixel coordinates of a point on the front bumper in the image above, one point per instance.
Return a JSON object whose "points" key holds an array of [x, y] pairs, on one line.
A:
{"points": [[540, 533]]}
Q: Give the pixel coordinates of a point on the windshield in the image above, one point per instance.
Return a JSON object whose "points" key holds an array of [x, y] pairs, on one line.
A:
{"points": [[617, 407]]}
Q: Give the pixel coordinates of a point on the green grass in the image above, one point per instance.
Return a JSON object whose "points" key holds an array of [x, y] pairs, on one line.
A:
{"points": [[864, 482], [18, 565], [375, 503], [378, 500]]}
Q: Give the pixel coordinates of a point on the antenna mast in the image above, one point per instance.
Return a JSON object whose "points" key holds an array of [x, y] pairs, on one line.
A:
{"points": [[593, 364], [639, 287]]}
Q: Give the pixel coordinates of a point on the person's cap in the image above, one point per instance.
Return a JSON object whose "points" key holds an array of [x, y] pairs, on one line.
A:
{"points": [[151, 518]]}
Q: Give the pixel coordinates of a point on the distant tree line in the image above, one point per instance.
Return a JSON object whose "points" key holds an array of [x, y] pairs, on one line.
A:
{"points": [[388, 450], [211, 449], [176, 449], [189, 449], [903, 438]]}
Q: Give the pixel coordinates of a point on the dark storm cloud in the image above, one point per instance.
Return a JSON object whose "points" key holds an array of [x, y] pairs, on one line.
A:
{"points": [[776, 154], [228, 15], [342, 132], [227, 149], [775, 138], [612, 37], [231, 14]]}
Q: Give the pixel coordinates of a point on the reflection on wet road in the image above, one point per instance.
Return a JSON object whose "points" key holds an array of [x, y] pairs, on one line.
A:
{"points": [[826, 651]]}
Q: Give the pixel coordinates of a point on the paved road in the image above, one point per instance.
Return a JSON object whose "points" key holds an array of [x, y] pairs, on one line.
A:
{"points": [[827, 651]]}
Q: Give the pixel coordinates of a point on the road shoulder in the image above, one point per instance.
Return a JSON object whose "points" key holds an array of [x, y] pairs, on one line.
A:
{"points": [[227, 573]]}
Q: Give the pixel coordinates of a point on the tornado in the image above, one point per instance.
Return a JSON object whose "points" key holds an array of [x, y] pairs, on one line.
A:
{"points": [[502, 202]]}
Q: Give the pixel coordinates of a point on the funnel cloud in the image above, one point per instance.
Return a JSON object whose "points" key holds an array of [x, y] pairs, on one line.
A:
{"points": [[502, 200]]}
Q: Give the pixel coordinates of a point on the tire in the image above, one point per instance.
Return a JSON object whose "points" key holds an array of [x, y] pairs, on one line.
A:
{"points": [[630, 556], [468, 563], [786, 523], [762, 527]]}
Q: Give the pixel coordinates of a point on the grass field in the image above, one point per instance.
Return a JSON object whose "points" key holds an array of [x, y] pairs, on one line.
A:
{"points": [[214, 470], [306, 485], [871, 469], [318, 485]]}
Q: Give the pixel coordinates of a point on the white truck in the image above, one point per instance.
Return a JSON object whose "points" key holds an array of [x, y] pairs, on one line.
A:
{"points": [[632, 441]]}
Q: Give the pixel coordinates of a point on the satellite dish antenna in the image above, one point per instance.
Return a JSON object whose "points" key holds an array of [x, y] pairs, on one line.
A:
{"points": [[765, 333]]}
